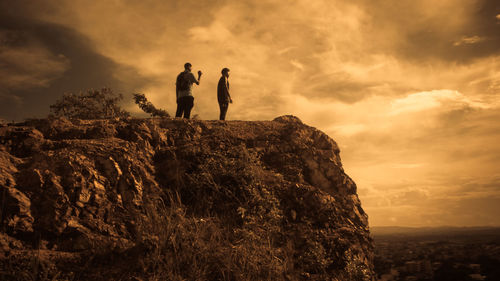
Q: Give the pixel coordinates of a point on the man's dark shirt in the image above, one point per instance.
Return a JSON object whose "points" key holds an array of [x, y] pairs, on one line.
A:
{"points": [[223, 90]]}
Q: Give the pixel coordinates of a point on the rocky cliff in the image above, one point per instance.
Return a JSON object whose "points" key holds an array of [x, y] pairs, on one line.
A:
{"points": [[173, 199]]}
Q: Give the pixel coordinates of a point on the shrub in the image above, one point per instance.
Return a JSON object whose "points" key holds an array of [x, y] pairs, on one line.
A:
{"points": [[148, 107], [92, 104]]}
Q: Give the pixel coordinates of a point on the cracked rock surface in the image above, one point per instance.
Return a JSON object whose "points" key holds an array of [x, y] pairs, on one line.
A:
{"points": [[70, 188]]}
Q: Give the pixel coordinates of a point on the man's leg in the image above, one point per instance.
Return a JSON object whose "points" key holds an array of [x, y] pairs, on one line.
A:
{"points": [[189, 103], [223, 110], [178, 113]]}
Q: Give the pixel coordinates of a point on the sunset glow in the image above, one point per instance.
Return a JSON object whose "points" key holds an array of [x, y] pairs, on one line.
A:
{"points": [[410, 90]]}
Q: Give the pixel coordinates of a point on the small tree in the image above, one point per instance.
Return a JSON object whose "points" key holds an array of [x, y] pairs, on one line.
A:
{"points": [[92, 104], [148, 107]]}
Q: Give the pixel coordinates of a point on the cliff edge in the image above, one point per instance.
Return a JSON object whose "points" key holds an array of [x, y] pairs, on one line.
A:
{"points": [[175, 199]]}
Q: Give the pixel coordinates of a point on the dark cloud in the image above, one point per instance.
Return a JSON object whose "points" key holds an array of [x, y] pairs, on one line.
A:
{"points": [[83, 67], [341, 89], [415, 34], [347, 89]]}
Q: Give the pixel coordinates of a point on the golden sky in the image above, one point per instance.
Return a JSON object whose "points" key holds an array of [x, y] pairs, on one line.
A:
{"points": [[409, 89]]}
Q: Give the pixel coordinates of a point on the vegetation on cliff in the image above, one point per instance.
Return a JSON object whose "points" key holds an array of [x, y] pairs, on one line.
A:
{"points": [[174, 199], [148, 107], [91, 104]]}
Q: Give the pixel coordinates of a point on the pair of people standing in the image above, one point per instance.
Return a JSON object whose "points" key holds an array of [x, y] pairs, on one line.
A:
{"points": [[184, 93]]}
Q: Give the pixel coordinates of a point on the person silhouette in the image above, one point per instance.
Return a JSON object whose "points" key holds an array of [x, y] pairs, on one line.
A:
{"points": [[184, 92], [223, 96]]}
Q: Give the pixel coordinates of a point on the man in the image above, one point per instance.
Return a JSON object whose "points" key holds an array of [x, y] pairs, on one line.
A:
{"points": [[223, 93], [183, 90]]}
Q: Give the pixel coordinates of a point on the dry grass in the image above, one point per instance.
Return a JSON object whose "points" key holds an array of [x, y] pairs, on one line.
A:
{"points": [[174, 245]]}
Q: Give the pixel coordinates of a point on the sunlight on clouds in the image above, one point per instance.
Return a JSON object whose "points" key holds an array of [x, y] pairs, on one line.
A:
{"points": [[468, 40], [314, 112], [297, 64], [215, 32], [348, 129], [421, 101], [385, 113], [286, 50], [408, 165], [432, 99], [372, 67]]}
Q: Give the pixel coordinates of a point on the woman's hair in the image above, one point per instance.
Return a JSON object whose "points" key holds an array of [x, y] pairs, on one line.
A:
{"points": [[224, 70]]}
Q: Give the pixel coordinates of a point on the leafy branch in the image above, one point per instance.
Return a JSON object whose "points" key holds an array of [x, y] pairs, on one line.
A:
{"points": [[148, 107]]}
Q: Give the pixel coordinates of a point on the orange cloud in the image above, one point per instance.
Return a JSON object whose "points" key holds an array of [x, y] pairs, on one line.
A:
{"points": [[468, 40]]}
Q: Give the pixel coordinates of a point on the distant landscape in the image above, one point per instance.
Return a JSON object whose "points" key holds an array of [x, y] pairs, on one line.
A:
{"points": [[452, 231], [437, 253]]}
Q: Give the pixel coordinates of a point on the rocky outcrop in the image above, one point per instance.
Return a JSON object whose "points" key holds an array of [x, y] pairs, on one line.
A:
{"points": [[70, 188]]}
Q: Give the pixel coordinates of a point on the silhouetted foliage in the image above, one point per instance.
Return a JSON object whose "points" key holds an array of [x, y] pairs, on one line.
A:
{"points": [[148, 107], [92, 104]]}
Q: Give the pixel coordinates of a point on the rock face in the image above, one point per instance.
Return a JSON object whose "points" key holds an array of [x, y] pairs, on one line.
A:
{"points": [[265, 200]]}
